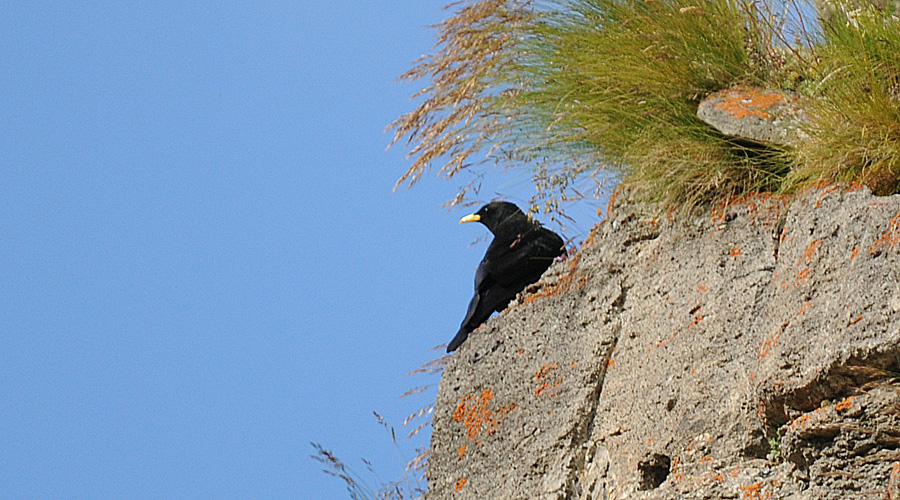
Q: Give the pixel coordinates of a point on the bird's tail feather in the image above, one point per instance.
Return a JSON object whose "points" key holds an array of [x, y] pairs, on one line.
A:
{"points": [[457, 341]]}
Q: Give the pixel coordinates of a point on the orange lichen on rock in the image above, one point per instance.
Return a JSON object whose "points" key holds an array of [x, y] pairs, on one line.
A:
{"points": [[802, 276], [803, 421], [824, 193], [609, 205], [755, 490], [473, 413], [592, 236], [666, 342], [735, 251], [544, 379], [675, 470], [459, 484], [697, 319], [771, 340], [844, 404], [811, 250], [854, 253], [741, 102], [498, 417], [889, 238], [571, 279], [544, 370], [461, 452]]}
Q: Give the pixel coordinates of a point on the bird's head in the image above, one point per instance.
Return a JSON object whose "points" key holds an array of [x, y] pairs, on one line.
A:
{"points": [[494, 213]]}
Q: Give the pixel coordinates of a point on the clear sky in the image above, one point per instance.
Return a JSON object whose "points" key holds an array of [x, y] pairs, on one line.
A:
{"points": [[202, 265]]}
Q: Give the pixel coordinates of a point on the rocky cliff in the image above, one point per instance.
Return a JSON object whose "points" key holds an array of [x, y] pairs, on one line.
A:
{"points": [[752, 352]]}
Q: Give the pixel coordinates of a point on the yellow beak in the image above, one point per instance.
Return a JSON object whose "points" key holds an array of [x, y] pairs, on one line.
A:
{"points": [[470, 218]]}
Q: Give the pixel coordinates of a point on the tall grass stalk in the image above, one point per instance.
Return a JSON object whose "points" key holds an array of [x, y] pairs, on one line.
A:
{"points": [[855, 114], [623, 79]]}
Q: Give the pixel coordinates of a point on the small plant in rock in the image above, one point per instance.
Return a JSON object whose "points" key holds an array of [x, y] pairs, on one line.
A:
{"points": [[774, 434]]}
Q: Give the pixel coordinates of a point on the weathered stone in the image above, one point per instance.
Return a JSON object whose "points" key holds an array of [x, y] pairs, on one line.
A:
{"points": [[748, 353], [755, 114]]}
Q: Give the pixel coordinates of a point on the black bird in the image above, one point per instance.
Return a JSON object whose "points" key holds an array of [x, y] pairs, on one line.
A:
{"points": [[519, 254]]}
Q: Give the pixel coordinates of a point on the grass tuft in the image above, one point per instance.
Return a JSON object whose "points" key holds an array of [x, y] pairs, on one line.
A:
{"points": [[623, 79], [855, 114], [472, 74], [575, 88]]}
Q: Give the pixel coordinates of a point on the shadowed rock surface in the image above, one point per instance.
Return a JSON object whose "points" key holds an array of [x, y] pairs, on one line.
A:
{"points": [[748, 353]]}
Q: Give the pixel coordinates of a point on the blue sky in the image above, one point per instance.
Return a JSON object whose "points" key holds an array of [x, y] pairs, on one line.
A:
{"points": [[202, 264]]}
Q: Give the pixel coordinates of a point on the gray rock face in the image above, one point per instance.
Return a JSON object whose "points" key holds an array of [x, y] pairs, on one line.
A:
{"points": [[749, 353]]}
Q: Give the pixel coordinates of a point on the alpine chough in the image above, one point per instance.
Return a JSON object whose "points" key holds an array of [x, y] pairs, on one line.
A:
{"points": [[519, 254]]}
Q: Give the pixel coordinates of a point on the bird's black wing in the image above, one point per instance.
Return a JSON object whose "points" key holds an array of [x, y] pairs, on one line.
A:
{"points": [[519, 260], [489, 296], [512, 262]]}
